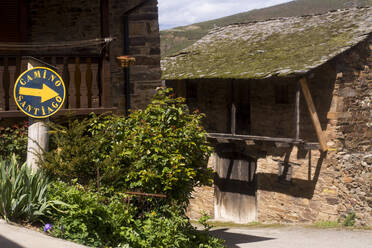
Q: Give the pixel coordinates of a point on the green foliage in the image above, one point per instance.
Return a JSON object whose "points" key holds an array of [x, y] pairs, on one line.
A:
{"points": [[89, 218], [327, 224], [204, 221], [168, 228], [104, 219], [13, 140], [162, 149], [23, 192], [72, 152], [349, 220]]}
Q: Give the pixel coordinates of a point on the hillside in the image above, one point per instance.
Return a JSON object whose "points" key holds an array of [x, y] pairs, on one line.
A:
{"points": [[176, 39]]}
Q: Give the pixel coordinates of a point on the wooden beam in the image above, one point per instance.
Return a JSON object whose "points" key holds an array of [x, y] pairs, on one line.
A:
{"points": [[297, 111], [73, 111], [181, 88], [313, 115], [105, 15], [251, 137], [233, 109]]}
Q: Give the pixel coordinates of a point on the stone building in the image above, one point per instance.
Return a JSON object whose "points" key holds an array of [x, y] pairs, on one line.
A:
{"points": [[82, 39], [288, 109]]}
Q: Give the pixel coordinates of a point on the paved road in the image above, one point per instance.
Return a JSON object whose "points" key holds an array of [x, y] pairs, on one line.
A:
{"points": [[294, 237], [284, 237], [12, 236]]}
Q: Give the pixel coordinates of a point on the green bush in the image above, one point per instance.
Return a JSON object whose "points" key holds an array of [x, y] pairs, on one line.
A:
{"points": [[162, 149], [23, 192], [71, 152], [105, 220], [13, 140], [349, 220], [89, 218]]}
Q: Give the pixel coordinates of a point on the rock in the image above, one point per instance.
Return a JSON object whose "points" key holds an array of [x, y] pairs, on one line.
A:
{"points": [[368, 159], [348, 179], [332, 201]]}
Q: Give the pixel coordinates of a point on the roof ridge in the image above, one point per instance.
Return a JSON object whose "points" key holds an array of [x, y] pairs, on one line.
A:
{"points": [[288, 17]]}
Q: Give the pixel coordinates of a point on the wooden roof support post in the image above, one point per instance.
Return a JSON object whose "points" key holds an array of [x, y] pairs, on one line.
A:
{"points": [[297, 111], [233, 110], [313, 115]]}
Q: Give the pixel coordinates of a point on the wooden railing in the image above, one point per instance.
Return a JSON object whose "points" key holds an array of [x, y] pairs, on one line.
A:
{"points": [[86, 77]]}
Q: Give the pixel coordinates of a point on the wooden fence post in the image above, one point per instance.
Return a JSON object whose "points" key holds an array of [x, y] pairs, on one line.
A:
{"points": [[38, 132]]}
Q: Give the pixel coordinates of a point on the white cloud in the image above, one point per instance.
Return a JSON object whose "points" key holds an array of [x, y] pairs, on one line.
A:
{"points": [[174, 13]]}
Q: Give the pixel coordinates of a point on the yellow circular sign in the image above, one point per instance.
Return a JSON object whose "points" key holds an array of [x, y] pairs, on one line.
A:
{"points": [[39, 92]]}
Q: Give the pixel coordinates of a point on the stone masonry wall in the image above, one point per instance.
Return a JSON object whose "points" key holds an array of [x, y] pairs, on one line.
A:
{"points": [[70, 20], [338, 184], [144, 45], [65, 20]]}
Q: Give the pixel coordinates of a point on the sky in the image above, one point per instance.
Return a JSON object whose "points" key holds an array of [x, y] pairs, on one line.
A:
{"points": [[173, 13]]}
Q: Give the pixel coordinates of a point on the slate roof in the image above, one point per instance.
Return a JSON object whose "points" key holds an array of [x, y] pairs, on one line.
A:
{"points": [[280, 47]]}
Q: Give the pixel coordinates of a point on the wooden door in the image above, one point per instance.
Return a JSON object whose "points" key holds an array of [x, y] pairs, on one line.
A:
{"points": [[235, 191]]}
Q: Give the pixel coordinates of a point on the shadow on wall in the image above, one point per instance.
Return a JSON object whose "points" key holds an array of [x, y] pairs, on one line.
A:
{"points": [[234, 178], [235, 239], [296, 187]]}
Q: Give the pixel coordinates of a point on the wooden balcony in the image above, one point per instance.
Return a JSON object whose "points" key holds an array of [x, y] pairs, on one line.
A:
{"points": [[86, 77]]}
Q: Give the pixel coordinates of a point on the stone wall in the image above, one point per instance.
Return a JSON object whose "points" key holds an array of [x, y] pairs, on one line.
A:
{"points": [[317, 187], [70, 20], [67, 20], [144, 45]]}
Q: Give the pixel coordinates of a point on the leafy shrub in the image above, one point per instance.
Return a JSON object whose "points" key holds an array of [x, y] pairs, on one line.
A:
{"points": [[162, 149], [13, 140], [168, 228], [71, 152], [23, 192], [104, 219], [89, 218], [349, 220]]}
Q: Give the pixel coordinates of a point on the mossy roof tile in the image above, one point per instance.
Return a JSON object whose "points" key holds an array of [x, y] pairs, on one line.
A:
{"points": [[281, 47]]}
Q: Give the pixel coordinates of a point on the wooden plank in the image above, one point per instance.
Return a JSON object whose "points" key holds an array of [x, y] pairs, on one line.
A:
{"points": [[297, 111], [72, 111], [339, 115], [233, 118], [38, 133], [252, 137], [105, 31], [105, 84], [147, 194], [233, 109], [23, 20], [313, 115], [77, 82], [2, 95], [181, 88]]}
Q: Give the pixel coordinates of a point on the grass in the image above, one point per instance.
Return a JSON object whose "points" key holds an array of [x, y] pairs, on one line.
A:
{"points": [[327, 224], [220, 224], [318, 224]]}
